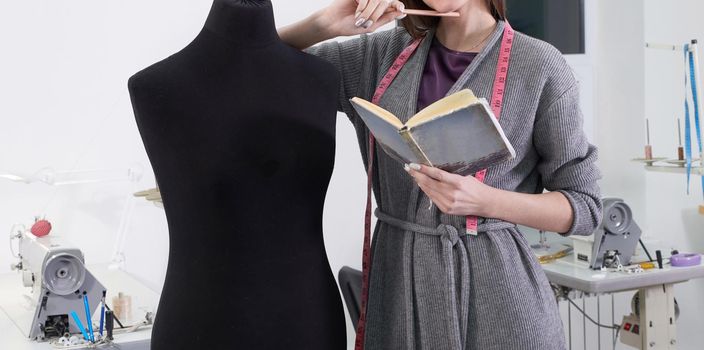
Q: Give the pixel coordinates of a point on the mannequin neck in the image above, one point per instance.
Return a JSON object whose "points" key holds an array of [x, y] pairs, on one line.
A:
{"points": [[243, 22]]}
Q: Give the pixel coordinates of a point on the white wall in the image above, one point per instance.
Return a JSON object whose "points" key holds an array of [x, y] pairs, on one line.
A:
{"points": [[620, 109]]}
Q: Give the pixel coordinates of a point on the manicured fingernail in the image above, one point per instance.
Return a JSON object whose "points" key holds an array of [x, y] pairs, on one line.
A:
{"points": [[401, 16], [359, 22], [368, 24], [357, 14], [406, 167], [415, 166]]}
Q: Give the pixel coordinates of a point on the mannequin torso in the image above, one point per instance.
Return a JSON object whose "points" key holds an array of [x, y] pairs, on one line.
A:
{"points": [[240, 128]]}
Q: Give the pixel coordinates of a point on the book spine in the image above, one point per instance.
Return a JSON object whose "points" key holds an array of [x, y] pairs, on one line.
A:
{"points": [[413, 145]]}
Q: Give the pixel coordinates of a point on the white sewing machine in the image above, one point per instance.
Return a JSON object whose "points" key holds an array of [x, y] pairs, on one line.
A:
{"points": [[56, 273], [35, 306]]}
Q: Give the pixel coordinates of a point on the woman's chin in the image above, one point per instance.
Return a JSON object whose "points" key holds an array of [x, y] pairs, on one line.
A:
{"points": [[442, 6]]}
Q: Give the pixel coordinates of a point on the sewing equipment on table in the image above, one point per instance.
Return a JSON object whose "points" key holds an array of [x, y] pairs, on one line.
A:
{"points": [[607, 262], [51, 303], [59, 280]]}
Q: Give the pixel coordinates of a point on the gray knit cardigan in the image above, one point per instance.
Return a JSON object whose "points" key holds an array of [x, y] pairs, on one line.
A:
{"points": [[431, 286]]}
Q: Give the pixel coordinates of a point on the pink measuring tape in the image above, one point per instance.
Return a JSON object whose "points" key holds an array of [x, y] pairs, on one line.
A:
{"points": [[497, 99], [496, 103]]}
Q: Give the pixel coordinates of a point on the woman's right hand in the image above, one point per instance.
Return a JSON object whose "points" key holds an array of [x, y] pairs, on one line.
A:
{"points": [[353, 17]]}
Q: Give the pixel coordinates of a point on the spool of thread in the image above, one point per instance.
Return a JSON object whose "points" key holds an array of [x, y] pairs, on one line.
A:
{"points": [[648, 147], [686, 260], [74, 340], [122, 307], [680, 149], [647, 265]]}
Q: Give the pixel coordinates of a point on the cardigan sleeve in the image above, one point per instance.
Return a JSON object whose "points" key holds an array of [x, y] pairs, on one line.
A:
{"points": [[349, 59], [359, 61], [568, 161]]}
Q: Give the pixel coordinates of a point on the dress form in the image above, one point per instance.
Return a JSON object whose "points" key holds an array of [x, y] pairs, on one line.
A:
{"points": [[240, 131]]}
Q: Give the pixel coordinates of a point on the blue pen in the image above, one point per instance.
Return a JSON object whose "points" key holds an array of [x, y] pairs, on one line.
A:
{"points": [[79, 324], [88, 318], [102, 313]]}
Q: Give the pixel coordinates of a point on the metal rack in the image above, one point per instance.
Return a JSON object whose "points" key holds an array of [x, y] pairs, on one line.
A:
{"points": [[697, 168]]}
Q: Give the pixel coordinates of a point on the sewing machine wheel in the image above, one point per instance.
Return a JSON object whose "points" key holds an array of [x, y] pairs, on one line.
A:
{"points": [[618, 218], [64, 274]]}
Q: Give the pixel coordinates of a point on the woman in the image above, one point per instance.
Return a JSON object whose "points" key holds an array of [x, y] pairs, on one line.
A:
{"points": [[485, 291]]}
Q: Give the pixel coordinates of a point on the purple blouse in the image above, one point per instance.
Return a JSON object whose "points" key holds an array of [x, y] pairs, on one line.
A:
{"points": [[442, 69]]}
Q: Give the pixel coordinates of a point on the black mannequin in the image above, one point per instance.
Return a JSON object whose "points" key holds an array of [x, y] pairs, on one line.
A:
{"points": [[240, 131]]}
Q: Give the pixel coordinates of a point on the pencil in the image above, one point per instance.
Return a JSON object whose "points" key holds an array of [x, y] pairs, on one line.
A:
{"points": [[430, 13]]}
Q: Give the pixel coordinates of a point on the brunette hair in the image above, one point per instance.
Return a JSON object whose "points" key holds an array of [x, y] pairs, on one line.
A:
{"points": [[417, 26]]}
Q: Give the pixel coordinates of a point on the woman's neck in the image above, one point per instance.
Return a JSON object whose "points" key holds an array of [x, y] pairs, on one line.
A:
{"points": [[469, 31], [243, 22]]}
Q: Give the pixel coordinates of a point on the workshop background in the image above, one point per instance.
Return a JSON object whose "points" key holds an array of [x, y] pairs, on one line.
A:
{"points": [[64, 105]]}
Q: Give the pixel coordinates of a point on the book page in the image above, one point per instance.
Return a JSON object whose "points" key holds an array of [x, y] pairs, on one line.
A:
{"points": [[378, 111], [460, 99]]}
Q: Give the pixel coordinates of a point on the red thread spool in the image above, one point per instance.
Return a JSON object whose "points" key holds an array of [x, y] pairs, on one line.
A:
{"points": [[41, 228], [648, 152]]}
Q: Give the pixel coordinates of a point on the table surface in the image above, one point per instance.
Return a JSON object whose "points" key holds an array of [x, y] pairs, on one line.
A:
{"points": [[14, 308], [565, 272]]}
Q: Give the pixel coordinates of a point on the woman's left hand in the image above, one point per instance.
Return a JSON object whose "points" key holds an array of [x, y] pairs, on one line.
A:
{"points": [[453, 194]]}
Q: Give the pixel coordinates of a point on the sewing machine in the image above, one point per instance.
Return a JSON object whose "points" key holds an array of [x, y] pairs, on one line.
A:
{"points": [[613, 243], [59, 280]]}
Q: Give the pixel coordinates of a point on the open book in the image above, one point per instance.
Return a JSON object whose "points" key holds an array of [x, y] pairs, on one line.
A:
{"points": [[458, 134]]}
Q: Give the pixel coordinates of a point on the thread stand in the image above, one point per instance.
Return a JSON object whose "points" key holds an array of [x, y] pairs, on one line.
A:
{"points": [[679, 164]]}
